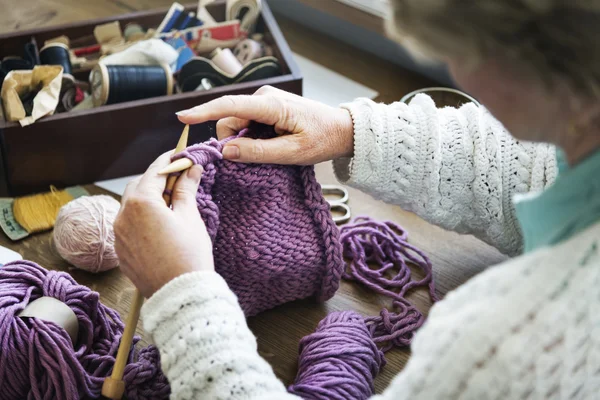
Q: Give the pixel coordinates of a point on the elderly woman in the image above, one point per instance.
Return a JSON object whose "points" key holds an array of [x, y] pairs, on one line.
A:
{"points": [[525, 329]]}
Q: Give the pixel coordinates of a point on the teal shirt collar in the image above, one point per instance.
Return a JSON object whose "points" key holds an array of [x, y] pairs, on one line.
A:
{"points": [[569, 206]]}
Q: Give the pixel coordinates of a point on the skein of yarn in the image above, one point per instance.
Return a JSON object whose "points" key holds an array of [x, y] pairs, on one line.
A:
{"points": [[339, 361], [84, 235], [38, 360], [37, 213]]}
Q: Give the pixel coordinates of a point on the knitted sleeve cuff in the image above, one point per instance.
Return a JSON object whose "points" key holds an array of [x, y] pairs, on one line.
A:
{"points": [[206, 348], [198, 288], [359, 170]]}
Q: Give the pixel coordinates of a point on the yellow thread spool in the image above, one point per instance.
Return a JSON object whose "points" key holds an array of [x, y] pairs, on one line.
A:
{"points": [[38, 212]]}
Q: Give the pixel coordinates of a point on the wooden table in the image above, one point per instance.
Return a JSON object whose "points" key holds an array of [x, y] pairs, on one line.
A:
{"points": [[455, 258]]}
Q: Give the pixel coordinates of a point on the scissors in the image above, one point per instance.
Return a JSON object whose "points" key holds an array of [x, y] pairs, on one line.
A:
{"points": [[338, 203]]}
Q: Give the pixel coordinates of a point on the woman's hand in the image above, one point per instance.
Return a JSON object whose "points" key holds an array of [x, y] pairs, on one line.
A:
{"points": [[310, 132], [154, 242]]}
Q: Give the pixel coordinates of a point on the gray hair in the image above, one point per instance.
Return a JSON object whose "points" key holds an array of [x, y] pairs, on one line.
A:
{"points": [[558, 39]]}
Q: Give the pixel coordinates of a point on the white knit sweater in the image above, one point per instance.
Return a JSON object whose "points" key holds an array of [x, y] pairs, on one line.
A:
{"points": [[526, 329]]}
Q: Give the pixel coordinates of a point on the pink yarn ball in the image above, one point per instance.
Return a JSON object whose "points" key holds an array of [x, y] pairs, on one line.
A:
{"points": [[84, 235]]}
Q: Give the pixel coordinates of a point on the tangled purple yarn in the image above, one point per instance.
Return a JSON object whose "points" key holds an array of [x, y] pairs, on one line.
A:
{"points": [[341, 359], [37, 358]]}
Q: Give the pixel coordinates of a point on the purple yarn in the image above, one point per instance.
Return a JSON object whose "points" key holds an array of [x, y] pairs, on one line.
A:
{"points": [[38, 360], [380, 255], [275, 241], [339, 361]]}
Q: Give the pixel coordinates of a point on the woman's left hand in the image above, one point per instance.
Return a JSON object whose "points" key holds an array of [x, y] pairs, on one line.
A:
{"points": [[155, 243]]}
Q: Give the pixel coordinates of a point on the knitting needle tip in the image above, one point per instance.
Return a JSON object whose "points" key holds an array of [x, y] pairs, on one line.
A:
{"points": [[182, 144], [176, 166], [181, 164]]}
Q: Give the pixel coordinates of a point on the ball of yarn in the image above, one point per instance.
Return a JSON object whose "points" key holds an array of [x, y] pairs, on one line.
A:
{"points": [[339, 361], [37, 358], [84, 235]]}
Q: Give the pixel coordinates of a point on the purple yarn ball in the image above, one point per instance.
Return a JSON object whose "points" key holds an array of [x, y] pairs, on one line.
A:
{"points": [[37, 358]]}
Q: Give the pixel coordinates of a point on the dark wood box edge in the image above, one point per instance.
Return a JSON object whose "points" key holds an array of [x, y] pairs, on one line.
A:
{"points": [[291, 82]]}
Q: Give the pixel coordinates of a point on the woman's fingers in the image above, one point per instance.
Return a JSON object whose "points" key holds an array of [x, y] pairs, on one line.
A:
{"points": [[152, 183], [264, 109], [280, 150], [183, 199], [310, 131], [230, 126]]}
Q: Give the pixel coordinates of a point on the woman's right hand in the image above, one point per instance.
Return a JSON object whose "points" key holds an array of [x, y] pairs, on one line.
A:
{"points": [[309, 132]]}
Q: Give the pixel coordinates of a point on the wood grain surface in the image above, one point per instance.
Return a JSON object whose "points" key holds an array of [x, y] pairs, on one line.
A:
{"points": [[455, 258]]}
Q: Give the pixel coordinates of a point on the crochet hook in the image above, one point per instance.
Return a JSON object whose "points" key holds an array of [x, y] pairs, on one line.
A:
{"points": [[114, 386]]}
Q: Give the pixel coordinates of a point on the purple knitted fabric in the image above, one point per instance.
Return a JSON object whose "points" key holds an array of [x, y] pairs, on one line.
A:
{"points": [[38, 360], [273, 235]]}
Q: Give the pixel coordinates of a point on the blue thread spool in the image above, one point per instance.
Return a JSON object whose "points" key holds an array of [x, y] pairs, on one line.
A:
{"points": [[113, 84]]}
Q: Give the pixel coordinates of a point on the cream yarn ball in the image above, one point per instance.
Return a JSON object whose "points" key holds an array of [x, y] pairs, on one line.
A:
{"points": [[84, 235]]}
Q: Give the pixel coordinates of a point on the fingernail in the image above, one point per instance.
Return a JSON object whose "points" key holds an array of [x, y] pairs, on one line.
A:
{"points": [[195, 172], [231, 152], [183, 113]]}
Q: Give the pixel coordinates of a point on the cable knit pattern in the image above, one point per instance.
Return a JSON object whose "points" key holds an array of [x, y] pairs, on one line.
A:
{"points": [[273, 235], [525, 329], [456, 168]]}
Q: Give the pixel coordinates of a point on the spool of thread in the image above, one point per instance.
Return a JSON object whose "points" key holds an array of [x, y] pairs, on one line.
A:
{"points": [[133, 32], [57, 54], [12, 63], [224, 59], [113, 84], [37, 213], [38, 359], [248, 50], [84, 235]]}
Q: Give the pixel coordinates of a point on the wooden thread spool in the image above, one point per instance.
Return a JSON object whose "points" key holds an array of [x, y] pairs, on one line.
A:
{"points": [[113, 84], [37, 213], [57, 54]]}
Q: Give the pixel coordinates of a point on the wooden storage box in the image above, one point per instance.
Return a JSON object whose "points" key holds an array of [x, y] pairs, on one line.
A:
{"points": [[86, 146]]}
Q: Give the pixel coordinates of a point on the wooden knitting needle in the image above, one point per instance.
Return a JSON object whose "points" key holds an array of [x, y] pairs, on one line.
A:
{"points": [[113, 386], [181, 145], [177, 166]]}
